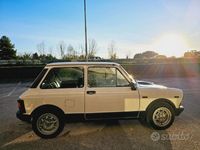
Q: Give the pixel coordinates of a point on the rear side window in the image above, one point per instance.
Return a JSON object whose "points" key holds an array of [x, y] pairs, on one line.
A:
{"points": [[39, 78], [69, 77], [106, 77]]}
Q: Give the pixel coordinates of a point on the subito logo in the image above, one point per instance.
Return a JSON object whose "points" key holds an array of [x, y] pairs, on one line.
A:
{"points": [[155, 136]]}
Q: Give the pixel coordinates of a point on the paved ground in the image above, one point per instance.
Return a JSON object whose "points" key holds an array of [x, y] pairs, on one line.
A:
{"points": [[122, 135]]}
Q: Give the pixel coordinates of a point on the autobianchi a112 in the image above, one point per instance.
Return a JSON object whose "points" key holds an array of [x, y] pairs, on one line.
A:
{"points": [[94, 90]]}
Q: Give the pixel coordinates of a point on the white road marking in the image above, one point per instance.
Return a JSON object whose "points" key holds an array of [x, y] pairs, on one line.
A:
{"points": [[13, 90]]}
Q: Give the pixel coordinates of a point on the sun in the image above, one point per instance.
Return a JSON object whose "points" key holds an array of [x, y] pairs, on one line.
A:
{"points": [[171, 45]]}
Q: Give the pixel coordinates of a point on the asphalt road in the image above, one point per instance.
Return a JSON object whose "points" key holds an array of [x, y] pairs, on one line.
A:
{"points": [[119, 135]]}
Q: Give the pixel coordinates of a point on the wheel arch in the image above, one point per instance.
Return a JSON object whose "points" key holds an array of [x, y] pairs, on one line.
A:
{"points": [[161, 100], [47, 107]]}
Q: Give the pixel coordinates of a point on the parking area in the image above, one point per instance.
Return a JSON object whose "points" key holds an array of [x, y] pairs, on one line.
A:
{"points": [[109, 135]]}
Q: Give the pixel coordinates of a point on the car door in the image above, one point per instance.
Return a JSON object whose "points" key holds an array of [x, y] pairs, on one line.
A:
{"points": [[64, 87], [108, 94]]}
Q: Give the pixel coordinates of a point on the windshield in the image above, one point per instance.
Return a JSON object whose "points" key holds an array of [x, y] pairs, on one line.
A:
{"points": [[39, 78], [128, 75]]}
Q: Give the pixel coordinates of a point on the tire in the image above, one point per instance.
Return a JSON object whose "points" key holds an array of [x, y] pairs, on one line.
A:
{"points": [[48, 123], [160, 116]]}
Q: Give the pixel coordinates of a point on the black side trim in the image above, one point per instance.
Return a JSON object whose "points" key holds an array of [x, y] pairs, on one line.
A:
{"points": [[113, 115], [23, 117], [74, 117], [101, 116], [179, 110]]}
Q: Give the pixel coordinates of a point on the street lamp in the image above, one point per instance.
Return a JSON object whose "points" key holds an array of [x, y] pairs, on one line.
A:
{"points": [[85, 19]]}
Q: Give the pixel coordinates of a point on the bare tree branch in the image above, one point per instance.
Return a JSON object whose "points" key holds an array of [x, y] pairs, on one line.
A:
{"points": [[92, 47], [61, 48], [112, 50], [41, 48]]}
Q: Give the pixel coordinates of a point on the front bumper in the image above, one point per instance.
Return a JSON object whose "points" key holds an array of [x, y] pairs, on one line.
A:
{"points": [[23, 117], [179, 110]]}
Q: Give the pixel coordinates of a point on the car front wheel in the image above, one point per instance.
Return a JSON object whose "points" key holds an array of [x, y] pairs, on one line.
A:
{"points": [[160, 116], [47, 124]]}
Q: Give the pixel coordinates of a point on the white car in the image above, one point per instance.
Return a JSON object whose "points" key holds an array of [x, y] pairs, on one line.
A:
{"points": [[94, 90]]}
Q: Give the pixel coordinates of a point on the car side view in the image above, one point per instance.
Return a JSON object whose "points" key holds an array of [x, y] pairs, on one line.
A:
{"points": [[94, 90]]}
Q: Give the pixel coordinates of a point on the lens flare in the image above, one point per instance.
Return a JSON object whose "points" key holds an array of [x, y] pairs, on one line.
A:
{"points": [[171, 45]]}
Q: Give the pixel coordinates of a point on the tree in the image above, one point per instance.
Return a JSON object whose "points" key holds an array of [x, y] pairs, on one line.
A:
{"points": [[160, 57], [70, 51], [50, 50], [26, 56], [61, 48], [149, 54], [41, 48], [146, 54], [82, 51], [49, 57], [92, 48], [112, 50], [128, 55], [7, 49], [192, 54], [138, 56], [35, 56]]}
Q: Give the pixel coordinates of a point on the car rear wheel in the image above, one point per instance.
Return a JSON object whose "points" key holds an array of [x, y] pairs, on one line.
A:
{"points": [[47, 124], [160, 116]]}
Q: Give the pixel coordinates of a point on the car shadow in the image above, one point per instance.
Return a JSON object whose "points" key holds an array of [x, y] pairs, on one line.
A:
{"points": [[106, 134]]}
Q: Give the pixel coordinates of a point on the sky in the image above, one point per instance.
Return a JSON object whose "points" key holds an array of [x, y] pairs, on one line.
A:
{"points": [[169, 27]]}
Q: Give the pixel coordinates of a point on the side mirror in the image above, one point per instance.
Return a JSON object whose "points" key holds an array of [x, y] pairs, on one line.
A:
{"points": [[133, 86]]}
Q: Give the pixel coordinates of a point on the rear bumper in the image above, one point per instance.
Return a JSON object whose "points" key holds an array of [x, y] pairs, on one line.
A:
{"points": [[23, 117], [179, 110]]}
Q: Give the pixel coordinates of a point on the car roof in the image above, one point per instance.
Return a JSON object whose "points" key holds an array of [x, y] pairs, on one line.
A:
{"points": [[81, 63]]}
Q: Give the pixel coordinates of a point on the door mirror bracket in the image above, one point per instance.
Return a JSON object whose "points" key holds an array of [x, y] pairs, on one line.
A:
{"points": [[133, 86]]}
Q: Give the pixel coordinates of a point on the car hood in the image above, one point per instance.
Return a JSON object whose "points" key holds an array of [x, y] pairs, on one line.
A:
{"points": [[148, 84], [156, 90]]}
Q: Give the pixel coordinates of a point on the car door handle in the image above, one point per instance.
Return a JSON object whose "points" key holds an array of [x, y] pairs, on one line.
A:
{"points": [[91, 92]]}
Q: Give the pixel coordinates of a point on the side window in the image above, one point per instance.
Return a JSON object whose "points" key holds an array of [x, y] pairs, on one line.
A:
{"points": [[101, 77], [69, 77], [105, 77]]}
